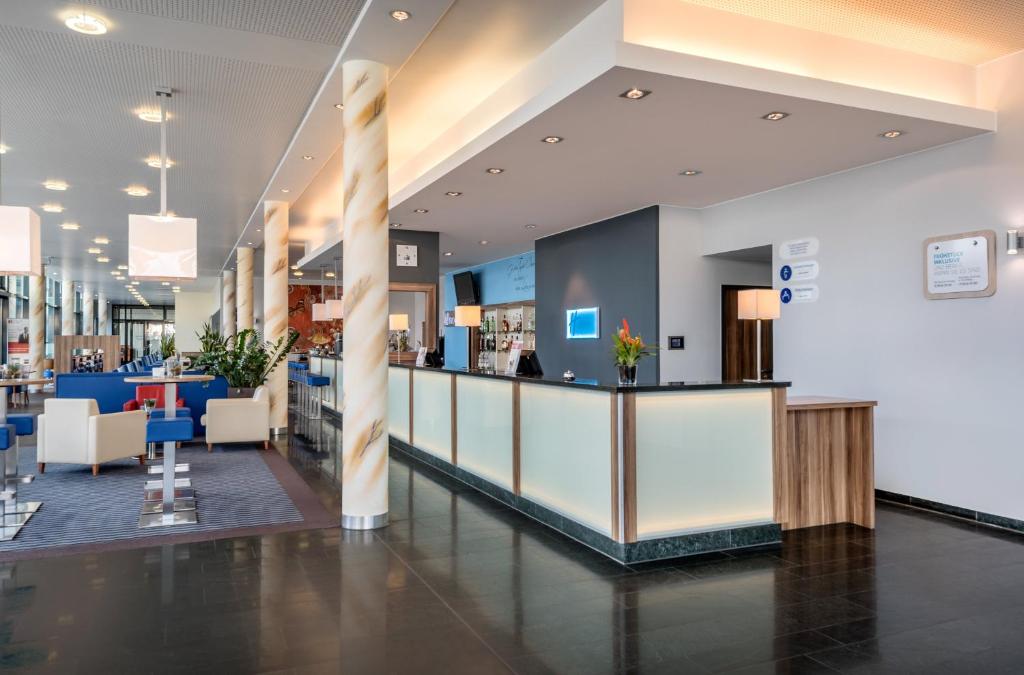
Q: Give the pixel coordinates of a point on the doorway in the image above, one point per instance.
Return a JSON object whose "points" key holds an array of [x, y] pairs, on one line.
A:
{"points": [[739, 341]]}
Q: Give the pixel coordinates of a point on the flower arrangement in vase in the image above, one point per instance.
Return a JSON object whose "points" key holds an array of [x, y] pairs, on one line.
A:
{"points": [[628, 350]]}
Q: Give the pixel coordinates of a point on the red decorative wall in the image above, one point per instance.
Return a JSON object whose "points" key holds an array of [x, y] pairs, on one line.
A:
{"points": [[301, 299]]}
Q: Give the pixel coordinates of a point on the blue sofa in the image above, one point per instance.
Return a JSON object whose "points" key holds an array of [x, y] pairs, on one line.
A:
{"points": [[143, 365], [111, 392]]}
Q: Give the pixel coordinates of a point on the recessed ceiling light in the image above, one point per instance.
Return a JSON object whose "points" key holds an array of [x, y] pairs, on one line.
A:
{"points": [[307, 157], [150, 115], [690, 172], [102, 259], [101, 240], [635, 94], [122, 267], [421, 210], [53, 208], [297, 273], [119, 278], [155, 162], [483, 242], [775, 116], [494, 171], [115, 273], [400, 15], [893, 133], [552, 139], [55, 185], [3, 149], [285, 190], [448, 254], [295, 267], [329, 275], [128, 286], [94, 251], [258, 229], [70, 226], [339, 106], [86, 23], [531, 226], [248, 243], [136, 283], [396, 225], [175, 290], [165, 283], [453, 193], [137, 190]]}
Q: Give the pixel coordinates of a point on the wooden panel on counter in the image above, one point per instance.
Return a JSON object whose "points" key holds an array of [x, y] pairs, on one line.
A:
{"points": [[63, 345], [825, 473]]}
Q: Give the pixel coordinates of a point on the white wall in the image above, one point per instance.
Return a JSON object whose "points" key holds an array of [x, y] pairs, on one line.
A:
{"points": [[191, 311], [690, 295], [949, 374]]}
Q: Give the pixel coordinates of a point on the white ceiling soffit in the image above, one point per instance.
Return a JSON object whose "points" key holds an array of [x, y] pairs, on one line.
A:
{"points": [[619, 155], [243, 73]]}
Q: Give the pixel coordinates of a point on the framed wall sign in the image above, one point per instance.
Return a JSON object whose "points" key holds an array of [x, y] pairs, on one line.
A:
{"points": [[960, 265], [582, 323]]}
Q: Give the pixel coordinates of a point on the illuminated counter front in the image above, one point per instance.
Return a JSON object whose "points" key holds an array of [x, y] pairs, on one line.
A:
{"points": [[637, 473]]}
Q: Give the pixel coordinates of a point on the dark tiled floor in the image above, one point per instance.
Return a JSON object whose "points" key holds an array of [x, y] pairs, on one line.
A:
{"points": [[458, 584]]}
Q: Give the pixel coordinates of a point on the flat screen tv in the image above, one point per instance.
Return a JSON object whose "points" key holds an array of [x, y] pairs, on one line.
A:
{"points": [[465, 289]]}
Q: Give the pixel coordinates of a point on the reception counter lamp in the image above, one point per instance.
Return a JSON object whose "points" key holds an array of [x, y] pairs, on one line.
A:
{"points": [[758, 304], [467, 316]]}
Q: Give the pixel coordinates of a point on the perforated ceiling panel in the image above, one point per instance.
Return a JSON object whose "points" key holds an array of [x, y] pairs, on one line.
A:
{"points": [[68, 113], [966, 31], [325, 21]]}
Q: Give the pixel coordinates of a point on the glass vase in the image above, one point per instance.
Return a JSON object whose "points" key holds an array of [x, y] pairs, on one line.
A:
{"points": [[627, 375]]}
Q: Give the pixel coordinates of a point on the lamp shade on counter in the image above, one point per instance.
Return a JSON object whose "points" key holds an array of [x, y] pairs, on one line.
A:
{"points": [[162, 248], [398, 322], [758, 303], [467, 315], [20, 250]]}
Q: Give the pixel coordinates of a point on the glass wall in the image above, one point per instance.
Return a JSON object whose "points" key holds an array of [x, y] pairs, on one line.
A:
{"points": [[141, 329]]}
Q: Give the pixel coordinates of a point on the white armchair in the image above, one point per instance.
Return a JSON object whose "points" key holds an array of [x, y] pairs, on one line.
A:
{"points": [[238, 420], [72, 431]]}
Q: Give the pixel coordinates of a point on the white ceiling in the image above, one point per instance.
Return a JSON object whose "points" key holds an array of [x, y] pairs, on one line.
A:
{"points": [[620, 155], [243, 72]]}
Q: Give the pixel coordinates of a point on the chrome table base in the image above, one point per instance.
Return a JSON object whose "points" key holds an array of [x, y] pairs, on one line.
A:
{"points": [[169, 500]]}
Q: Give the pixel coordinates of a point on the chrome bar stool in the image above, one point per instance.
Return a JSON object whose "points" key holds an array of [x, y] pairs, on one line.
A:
{"points": [[315, 403]]}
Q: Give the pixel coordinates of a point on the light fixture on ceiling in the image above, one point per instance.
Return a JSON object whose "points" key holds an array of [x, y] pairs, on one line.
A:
{"points": [[775, 116], [149, 115], [53, 208], [400, 15], [635, 94], [55, 185], [3, 149], [115, 273], [94, 251], [531, 226], [494, 171], [329, 275], [136, 283], [129, 286], [86, 24], [297, 273], [421, 210], [119, 278], [396, 225], [71, 227], [307, 157], [295, 267], [320, 308], [163, 246], [285, 190], [137, 191], [156, 164], [101, 240], [248, 243], [102, 259], [483, 242], [336, 305], [690, 172], [551, 140], [453, 193], [175, 290], [122, 267], [339, 106], [448, 254], [165, 283], [892, 133]]}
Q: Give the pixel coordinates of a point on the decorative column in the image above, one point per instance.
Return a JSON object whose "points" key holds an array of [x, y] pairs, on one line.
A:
{"points": [[102, 314], [275, 304], [67, 304], [364, 473], [88, 302], [244, 295], [36, 325], [227, 303]]}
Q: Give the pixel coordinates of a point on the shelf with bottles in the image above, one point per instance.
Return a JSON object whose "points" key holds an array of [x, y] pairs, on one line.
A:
{"points": [[500, 326]]}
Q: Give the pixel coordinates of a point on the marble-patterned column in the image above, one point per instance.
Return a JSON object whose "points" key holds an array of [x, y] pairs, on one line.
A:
{"points": [[88, 303], [67, 304], [36, 325], [227, 303], [364, 492], [275, 304], [102, 314], [244, 295]]}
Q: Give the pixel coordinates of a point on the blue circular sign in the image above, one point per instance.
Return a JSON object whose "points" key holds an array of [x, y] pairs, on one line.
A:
{"points": [[786, 273], [786, 295]]}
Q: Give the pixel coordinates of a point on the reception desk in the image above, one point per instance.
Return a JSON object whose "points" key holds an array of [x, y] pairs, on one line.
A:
{"points": [[637, 473]]}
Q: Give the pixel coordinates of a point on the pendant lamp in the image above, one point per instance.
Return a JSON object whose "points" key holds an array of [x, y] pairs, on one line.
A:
{"points": [[20, 249], [335, 306], [162, 248], [320, 308]]}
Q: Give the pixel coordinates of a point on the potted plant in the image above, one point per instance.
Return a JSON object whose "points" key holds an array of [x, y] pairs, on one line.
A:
{"points": [[167, 346], [628, 350], [245, 360]]}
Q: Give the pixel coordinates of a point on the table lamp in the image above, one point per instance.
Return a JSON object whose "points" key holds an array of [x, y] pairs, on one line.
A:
{"points": [[758, 304], [467, 315]]}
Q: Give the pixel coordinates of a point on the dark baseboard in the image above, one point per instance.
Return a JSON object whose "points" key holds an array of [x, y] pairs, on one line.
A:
{"points": [[979, 517]]}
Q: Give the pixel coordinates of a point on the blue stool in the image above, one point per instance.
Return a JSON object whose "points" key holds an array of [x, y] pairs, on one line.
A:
{"points": [[24, 425], [13, 514], [169, 500], [158, 413], [314, 405], [297, 376]]}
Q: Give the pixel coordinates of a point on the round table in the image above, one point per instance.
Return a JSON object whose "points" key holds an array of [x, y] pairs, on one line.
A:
{"points": [[17, 382], [168, 491]]}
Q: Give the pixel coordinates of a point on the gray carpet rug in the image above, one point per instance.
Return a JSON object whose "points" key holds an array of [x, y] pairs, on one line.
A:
{"points": [[235, 489]]}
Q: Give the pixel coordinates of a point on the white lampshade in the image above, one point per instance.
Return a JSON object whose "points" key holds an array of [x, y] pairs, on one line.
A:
{"points": [[320, 312], [20, 250], [467, 315], [758, 303], [336, 309], [162, 248], [398, 322]]}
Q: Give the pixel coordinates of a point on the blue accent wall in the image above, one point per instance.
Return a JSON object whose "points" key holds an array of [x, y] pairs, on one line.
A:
{"points": [[506, 280]]}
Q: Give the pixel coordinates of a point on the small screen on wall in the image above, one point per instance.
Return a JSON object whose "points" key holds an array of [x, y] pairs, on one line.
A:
{"points": [[465, 289], [582, 323]]}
